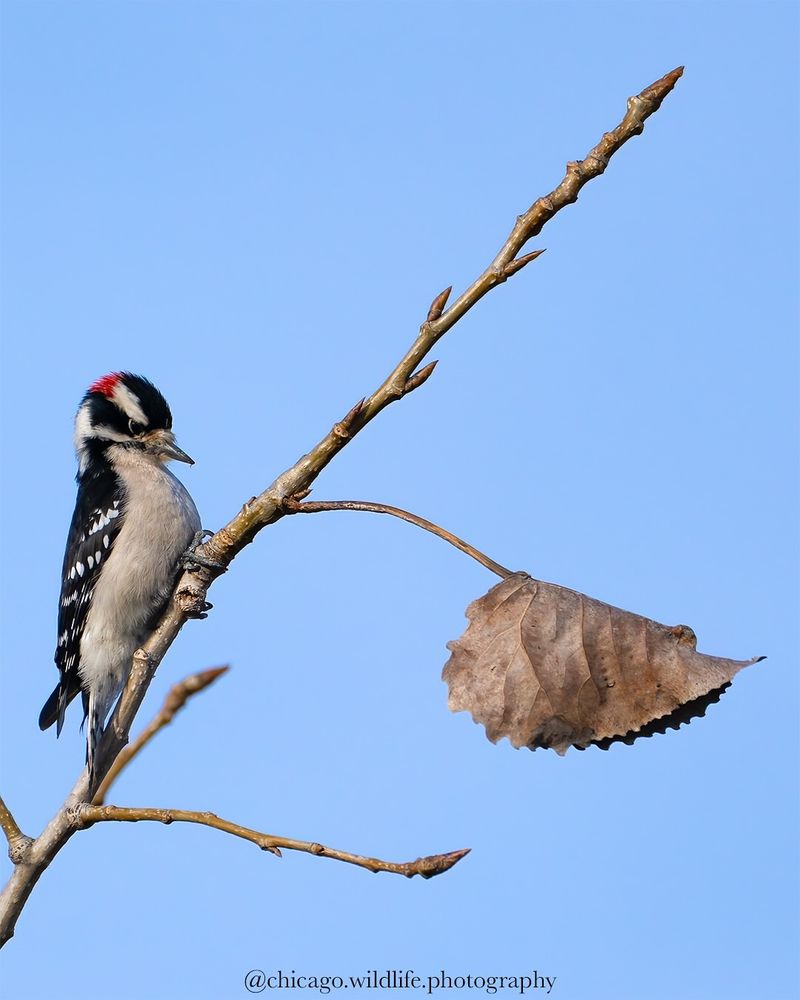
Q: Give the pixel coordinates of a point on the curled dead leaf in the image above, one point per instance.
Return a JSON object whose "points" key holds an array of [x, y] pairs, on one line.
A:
{"points": [[549, 667]]}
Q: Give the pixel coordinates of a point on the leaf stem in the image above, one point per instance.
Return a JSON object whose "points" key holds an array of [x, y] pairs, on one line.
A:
{"points": [[292, 506]]}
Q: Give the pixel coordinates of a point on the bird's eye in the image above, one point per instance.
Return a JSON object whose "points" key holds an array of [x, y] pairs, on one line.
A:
{"points": [[135, 428]]}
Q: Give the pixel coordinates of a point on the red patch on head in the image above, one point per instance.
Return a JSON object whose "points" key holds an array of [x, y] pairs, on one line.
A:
{"points": [[106, 385]]}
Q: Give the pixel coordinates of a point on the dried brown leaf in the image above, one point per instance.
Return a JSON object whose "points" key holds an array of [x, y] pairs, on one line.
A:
{"points": [[549, 667]]}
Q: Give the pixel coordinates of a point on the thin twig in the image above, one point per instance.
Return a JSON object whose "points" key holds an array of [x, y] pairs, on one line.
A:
{"points": [[176, 698], [434, 864], [17, 841], [291, 506]]}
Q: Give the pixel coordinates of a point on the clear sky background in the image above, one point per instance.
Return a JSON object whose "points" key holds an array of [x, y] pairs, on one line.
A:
{"points": [[253, 204]]}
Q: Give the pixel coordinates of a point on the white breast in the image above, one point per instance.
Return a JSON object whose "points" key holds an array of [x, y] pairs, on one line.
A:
{"points": [[160, 523]]}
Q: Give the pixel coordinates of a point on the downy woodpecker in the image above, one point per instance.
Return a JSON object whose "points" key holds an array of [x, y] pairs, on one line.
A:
{"points": [[133, 521]]}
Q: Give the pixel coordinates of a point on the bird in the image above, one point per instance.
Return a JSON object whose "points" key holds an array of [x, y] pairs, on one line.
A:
{"points": [[133, 522]]}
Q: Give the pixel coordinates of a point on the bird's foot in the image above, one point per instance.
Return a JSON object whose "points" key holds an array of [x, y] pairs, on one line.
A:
{"points": [[201, 612], [192, 560]]}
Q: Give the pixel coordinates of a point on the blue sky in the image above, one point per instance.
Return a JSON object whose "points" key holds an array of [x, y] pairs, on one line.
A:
{"points": [[253, 204]]}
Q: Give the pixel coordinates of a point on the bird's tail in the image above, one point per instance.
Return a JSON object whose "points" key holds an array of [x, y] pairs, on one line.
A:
{"points": [[56, 705], [94, 731]]}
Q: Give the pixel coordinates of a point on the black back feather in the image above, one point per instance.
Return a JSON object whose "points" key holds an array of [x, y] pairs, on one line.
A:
{"points": [[94, 528]]}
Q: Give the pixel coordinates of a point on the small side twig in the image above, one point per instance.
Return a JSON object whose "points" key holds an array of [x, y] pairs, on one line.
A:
{"points": [[18, 842], [176, 698], [9, 824], [427, 867], [292, 506]]}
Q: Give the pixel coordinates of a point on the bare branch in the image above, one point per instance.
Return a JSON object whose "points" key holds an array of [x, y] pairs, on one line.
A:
{"points": [[434, 864], [267, 507], [36, 857], [176, 698], [291, 506]]}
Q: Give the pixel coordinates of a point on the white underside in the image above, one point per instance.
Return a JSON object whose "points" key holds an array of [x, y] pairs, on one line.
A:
{"points": [[160, 523]]}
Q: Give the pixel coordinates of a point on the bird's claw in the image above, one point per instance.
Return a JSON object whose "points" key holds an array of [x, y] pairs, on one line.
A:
{"points": [[202, 613], [192, 560]]}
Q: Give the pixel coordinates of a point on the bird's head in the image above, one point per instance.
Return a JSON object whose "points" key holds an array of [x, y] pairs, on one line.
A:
{"points": [[124, 410]]}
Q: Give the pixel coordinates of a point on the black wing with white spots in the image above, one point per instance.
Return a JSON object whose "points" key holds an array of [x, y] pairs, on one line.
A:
{"points": [[95, 526]]}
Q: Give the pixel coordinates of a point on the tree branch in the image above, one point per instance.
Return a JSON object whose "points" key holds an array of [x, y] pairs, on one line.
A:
{"points": [[176, 698], [188, 599], [292, 506], [427, 867], [267, 507]]}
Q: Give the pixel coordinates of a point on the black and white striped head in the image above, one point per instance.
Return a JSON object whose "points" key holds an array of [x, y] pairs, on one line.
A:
{"points": [[124, 410]]}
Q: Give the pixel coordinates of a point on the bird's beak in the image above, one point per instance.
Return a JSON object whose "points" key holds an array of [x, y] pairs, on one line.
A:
{"points": [[163, 445]]}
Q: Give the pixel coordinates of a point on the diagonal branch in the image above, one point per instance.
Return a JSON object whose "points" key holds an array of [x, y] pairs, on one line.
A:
{"points": [[176, 698], [427, 867], [266, 508], [292, 506]]}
